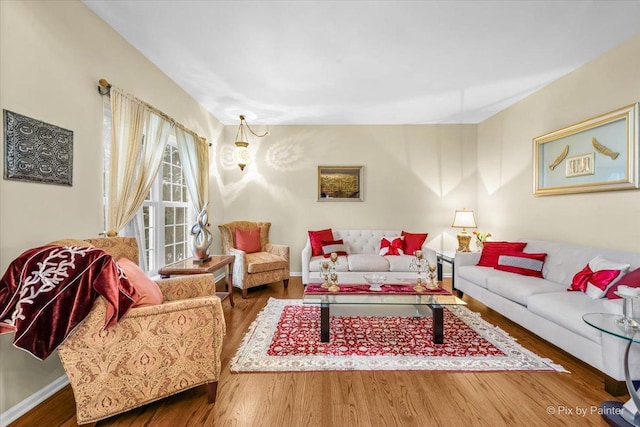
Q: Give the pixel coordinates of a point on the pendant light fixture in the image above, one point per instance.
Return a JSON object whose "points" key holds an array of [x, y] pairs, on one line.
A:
{"points": [[242, 154]]}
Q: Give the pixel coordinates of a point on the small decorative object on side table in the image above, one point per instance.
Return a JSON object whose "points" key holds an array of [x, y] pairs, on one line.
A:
{"points": [[194, 266], [614, 412]]}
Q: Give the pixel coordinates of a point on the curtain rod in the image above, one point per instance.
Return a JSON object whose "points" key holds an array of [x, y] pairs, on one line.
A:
{"points": [[104, 88]]}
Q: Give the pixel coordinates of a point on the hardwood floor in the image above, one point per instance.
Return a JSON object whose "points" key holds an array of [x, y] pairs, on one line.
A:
{"points": [[379, 398]]}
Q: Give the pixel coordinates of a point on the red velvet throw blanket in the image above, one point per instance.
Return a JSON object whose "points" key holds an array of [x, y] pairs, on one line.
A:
{"points": [[48, 291]]}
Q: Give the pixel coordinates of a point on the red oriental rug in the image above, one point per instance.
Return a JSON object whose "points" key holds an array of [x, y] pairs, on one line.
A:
{"points": [[286, 337]]}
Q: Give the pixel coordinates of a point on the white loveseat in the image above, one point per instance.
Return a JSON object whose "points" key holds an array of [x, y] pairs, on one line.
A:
{"points": [[546, 308], [363, 247]]}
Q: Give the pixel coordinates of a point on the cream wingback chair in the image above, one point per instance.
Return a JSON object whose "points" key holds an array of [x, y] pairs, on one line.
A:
{"points": [[152, 352], [269, 264]]}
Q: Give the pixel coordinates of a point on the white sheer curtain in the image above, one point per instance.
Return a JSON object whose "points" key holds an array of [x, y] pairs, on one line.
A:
{"points": [[194, 154], [138, 138]]}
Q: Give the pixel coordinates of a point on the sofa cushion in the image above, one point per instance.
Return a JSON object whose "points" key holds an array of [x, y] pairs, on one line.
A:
{"points": [[517, 288], [258, 262], [479, 275], [566, 309], [341, 265], [413, 242], [491, 251], [522, 263], [400, 263], [366, 262]]}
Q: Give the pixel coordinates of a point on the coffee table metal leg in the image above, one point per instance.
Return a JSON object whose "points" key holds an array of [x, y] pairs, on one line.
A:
{"points": [[438, 323], [324, 322]]}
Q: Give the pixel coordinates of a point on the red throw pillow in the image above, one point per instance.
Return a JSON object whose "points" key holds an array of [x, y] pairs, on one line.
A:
{"points": [[413, 242], [248, 240], [149, 291], [522, 263], [317, 237], [491, 251], [596, 277], [336, 246], [632, 280], [393, 247]]}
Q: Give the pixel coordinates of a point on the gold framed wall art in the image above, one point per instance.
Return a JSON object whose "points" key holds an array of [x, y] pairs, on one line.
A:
{"points": [[598, 154], [340, 184]]}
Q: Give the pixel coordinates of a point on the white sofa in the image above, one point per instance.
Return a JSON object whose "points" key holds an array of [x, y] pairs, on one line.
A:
{"points": [[546, 308], [363, 247]]}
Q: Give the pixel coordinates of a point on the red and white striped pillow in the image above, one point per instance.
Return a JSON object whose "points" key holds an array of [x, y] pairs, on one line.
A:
{"points": [[336, 246]]}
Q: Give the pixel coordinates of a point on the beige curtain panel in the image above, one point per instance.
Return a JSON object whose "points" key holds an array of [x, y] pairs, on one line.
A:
{"points": [[138, 138], [194, 154]]}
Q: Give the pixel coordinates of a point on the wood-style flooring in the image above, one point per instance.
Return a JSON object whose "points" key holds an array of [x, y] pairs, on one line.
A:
{"points": [[375, 398]]}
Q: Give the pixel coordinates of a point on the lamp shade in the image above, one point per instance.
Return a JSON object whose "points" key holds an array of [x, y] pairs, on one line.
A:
{"points": [[464, 219], [241, 154]]}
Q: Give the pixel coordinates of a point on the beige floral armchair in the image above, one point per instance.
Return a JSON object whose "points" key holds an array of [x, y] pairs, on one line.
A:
{"points": [[152, 352], [270, 264]]}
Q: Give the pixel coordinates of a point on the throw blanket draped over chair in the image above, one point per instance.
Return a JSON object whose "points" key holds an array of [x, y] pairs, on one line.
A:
{"points": [[47, 291]]}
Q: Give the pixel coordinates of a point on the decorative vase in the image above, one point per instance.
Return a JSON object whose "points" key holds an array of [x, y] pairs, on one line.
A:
{"points": [[201, 237]]}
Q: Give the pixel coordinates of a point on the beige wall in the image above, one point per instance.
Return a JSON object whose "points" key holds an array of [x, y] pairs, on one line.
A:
{"points": [[505, 178], [52, 55], [414, 179]]}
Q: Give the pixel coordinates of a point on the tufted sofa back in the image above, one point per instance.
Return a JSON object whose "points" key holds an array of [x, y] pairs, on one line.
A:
{"points": [[363, 241], [565, 259]]}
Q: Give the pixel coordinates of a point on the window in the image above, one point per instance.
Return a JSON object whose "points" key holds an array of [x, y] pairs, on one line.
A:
{"points": [[166, 212]]}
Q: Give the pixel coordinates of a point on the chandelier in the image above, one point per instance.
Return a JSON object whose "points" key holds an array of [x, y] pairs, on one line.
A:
{"points": [[242, 154]]}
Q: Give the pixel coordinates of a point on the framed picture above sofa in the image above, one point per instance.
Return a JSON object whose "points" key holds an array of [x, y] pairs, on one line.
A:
{"points": [[340, 184], [598, 154]]}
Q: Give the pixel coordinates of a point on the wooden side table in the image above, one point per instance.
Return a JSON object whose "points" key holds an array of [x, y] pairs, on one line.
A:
{"points": [[188, 266]]}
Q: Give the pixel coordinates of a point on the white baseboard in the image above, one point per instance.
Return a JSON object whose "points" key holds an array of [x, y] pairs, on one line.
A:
{"points": [[32, 401]]}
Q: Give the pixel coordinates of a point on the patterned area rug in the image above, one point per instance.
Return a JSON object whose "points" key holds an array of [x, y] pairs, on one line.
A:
{"points": [[286, 337]]}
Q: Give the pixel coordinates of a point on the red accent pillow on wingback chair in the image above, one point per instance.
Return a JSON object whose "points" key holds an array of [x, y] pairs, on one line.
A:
{"points": [[248, 240]]}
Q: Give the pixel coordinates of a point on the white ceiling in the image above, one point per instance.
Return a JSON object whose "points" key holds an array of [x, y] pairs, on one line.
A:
{"points": [[367, 62]]}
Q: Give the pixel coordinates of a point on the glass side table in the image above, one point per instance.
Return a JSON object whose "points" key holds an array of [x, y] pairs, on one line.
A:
{"points": [[617, 413]]}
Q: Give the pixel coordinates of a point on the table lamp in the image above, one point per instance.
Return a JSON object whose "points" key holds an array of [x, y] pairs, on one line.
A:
{"points": [[464, 219]]}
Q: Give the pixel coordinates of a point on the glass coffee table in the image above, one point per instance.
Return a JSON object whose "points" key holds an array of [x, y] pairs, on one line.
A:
{"points": [[614, 412], [423, 303]]}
